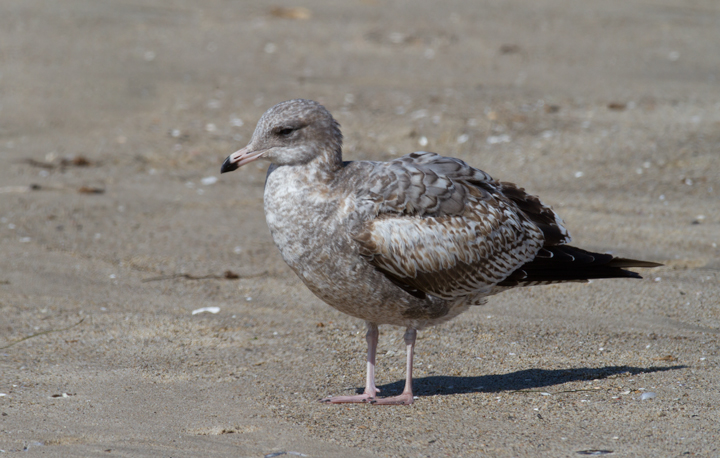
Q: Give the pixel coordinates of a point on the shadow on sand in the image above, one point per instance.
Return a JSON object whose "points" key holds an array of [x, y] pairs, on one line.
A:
{"points": [[521, 380]]}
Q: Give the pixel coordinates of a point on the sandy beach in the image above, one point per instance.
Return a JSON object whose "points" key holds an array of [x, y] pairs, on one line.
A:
{"points": [[115, 225]]}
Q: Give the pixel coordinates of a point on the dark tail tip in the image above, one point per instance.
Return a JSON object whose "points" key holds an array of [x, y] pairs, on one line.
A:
{"points": [[567, 263]]}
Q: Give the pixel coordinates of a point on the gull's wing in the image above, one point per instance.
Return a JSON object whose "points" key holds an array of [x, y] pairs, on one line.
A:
{"points": [[438, 226]]}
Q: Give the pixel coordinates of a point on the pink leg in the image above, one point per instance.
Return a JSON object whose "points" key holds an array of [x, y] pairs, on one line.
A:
{"points": [[370, 388], [406, 398]]}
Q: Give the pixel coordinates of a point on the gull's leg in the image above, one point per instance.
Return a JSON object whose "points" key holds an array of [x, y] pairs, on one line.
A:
{"points": [[370, 388], [406, 398]]}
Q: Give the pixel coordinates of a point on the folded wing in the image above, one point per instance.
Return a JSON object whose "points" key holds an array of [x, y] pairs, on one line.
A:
{"points": [[441, 227]]}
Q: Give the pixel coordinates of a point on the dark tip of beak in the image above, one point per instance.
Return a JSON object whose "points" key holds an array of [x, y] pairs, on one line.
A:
{"points": [[228, 166]]}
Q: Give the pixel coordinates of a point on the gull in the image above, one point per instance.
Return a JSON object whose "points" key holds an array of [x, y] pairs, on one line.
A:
{"points": [[412, 242]]}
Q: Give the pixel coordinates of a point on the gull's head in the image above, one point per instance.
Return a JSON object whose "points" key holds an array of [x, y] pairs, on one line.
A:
{"points": [[291, 133]]}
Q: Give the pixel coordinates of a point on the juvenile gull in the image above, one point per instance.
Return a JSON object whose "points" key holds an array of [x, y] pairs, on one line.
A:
{"points": [[412, 242]]}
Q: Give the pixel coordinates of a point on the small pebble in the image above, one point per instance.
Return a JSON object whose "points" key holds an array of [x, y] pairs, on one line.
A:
{"points": [[206, 309], [648, 395], [495, 139], [209, 180]]}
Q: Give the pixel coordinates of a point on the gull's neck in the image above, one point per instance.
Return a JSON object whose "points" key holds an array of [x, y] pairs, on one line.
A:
{"points": [[323, 168]]}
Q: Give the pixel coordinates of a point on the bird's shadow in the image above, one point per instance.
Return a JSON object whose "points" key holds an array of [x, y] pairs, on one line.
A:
{"points": [[513, 381]]}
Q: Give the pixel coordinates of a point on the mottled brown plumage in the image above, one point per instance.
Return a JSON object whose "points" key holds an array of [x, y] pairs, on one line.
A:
{"points": [[412, 242]]}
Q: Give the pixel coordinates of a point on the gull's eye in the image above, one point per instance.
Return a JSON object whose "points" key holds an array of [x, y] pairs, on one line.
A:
{"points": [[284, 131]]}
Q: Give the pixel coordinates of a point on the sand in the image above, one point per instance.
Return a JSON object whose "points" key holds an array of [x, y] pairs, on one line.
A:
{"points": [[116, 116]]}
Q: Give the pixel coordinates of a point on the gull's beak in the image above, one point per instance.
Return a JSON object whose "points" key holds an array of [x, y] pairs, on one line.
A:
{"points": [[240, 158]]}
